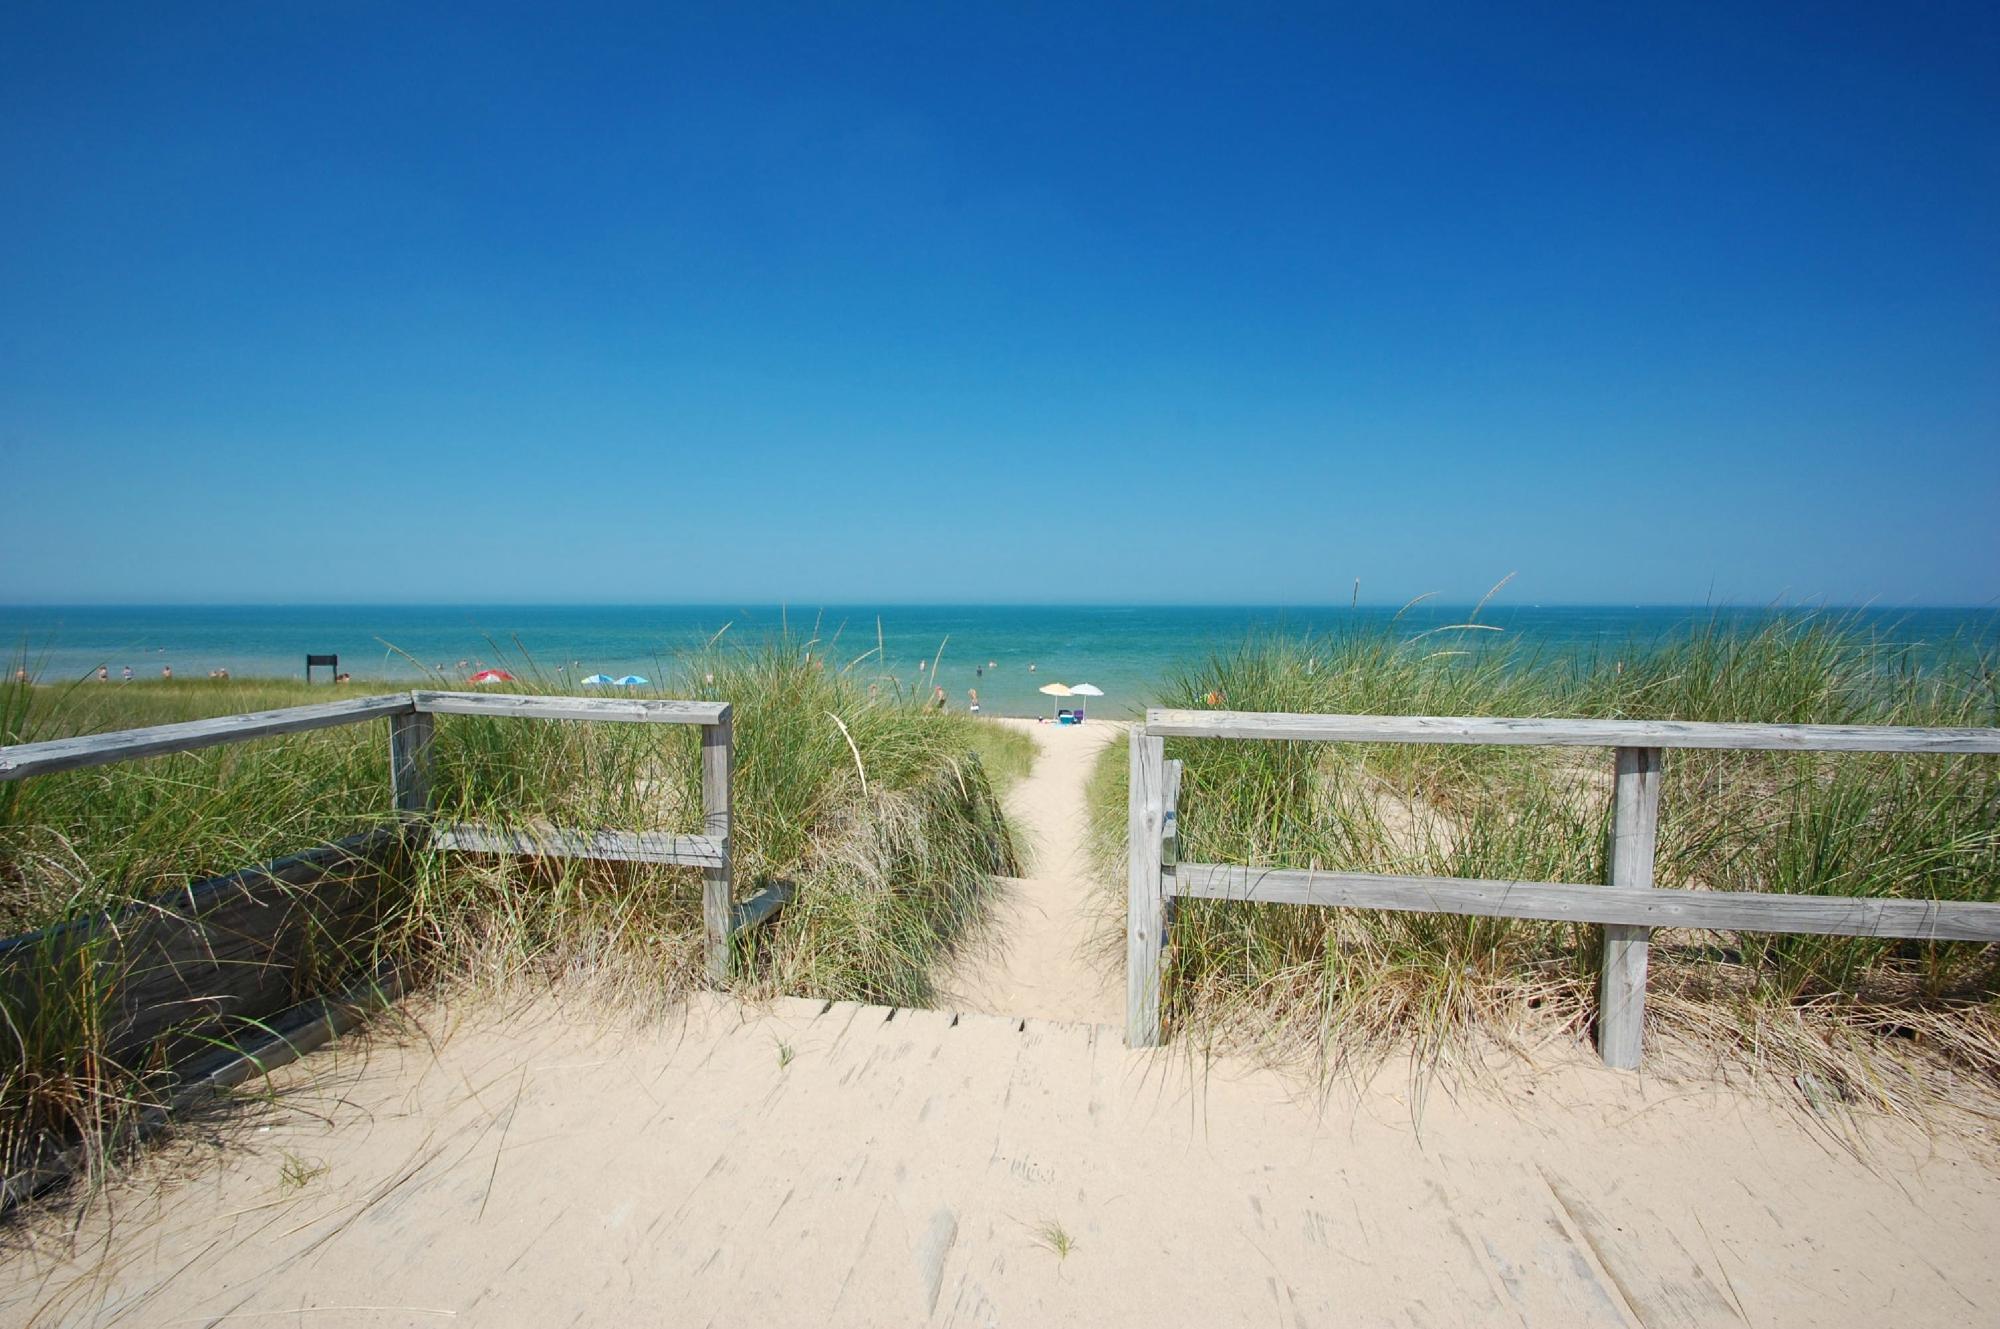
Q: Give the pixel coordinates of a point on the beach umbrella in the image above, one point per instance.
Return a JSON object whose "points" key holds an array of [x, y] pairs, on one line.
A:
{"points": [[597, 680], [1055, 689], [631, 681], [491, 676], [1085, 690]]}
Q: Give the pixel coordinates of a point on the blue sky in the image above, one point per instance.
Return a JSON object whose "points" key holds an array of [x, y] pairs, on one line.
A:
{"points": [[1182, 303]]}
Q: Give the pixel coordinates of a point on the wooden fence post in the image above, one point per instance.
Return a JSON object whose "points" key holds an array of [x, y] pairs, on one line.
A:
{"points": [[717, 757], [1621, 995], [410, 760], [1145, 898]]}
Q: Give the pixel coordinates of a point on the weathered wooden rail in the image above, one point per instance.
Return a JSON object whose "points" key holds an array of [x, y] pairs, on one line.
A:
{"points": [[1629, 907], [411, 730]]}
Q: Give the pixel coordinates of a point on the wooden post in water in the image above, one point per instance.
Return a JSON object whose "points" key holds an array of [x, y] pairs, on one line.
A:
{"points": [[717, 755], [410, 760], [1145, 898], [1621, 996]]}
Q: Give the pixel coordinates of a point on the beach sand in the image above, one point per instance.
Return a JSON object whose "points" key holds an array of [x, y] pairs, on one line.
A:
{"points": [[810, 1164]]}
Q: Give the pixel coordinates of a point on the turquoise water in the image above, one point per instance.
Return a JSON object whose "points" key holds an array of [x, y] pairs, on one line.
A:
{"points": [[1122, 650]]}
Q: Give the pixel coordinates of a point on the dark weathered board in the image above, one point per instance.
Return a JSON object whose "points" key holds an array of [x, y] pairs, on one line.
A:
{"points": [[203, 963]]}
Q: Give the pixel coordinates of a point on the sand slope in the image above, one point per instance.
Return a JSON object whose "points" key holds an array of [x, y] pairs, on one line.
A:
{"points": [[848, 1165]]}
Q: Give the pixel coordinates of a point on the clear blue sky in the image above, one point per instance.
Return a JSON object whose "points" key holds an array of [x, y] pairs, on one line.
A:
{"points": [[365, 302]]}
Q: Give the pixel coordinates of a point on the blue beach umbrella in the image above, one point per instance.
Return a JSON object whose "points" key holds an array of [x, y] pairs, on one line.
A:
{"points": [[597, 680], [631, 681]]}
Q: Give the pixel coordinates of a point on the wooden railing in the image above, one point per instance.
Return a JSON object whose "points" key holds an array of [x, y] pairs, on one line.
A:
{"points": [[411, 728], [1629, 907]]}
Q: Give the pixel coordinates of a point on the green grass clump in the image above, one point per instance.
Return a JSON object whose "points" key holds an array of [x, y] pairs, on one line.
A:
{"points": [[879, 813], [1334, 984]]}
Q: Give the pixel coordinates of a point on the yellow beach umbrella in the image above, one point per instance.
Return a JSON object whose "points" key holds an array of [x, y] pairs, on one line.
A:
{"points": [[1055, 689]]}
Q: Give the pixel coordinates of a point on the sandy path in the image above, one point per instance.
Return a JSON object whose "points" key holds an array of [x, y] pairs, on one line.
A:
{"points": [[1035, 960]]}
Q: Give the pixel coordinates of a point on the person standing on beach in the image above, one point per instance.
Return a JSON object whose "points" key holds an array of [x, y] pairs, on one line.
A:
{"points": [[104, 673], [167, 672], [938, 698], [128, 674], [973, 693]]}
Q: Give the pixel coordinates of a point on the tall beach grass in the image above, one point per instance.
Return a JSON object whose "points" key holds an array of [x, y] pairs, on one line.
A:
{"points": [[1886, 1023]]}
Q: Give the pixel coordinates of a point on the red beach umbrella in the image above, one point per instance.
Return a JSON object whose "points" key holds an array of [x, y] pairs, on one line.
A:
{"points": [[491, 676]]}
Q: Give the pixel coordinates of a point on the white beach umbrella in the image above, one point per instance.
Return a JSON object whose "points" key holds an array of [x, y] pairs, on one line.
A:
{"points": [[1087, 690]]}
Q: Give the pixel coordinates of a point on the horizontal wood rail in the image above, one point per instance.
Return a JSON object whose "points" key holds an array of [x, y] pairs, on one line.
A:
{"points": [[1497, 731], [695, 851], [411, 736], [1560, 902], [632, 710], [69, 754], [1628, 908]]}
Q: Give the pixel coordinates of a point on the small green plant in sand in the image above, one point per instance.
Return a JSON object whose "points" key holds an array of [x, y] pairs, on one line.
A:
{"points": [[296, 1173], [1053, 1236], [785, 1055]]}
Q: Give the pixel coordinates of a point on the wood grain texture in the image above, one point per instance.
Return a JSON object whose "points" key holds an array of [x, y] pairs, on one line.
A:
{"points": [[1566, 733], [410, 738], [197, 963], [1145, 897], [69, 754], [718, 807], [1621, 988], [1723, 911], [696, 851], [1170, 816], [631, 710]]}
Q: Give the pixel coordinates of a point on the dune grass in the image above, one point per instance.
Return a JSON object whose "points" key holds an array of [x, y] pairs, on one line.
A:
{"points": [[1886, 1023], [882, 814]]}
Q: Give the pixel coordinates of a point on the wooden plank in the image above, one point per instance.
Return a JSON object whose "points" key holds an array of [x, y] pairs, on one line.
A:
{"points": [[696, 851], [758, 909], [1621, 989], [1715, 911], [69, 754], [632, 710], [410, 760], [1170, 817], [717, 757], [196, 963], [1566, 733], [1145, 896]]}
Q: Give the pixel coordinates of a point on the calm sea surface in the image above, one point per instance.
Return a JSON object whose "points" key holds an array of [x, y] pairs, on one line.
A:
{"points": [[1124, 651]]}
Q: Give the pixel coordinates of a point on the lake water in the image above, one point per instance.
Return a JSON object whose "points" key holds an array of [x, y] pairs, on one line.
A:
{"points": [[1123, 650]]}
